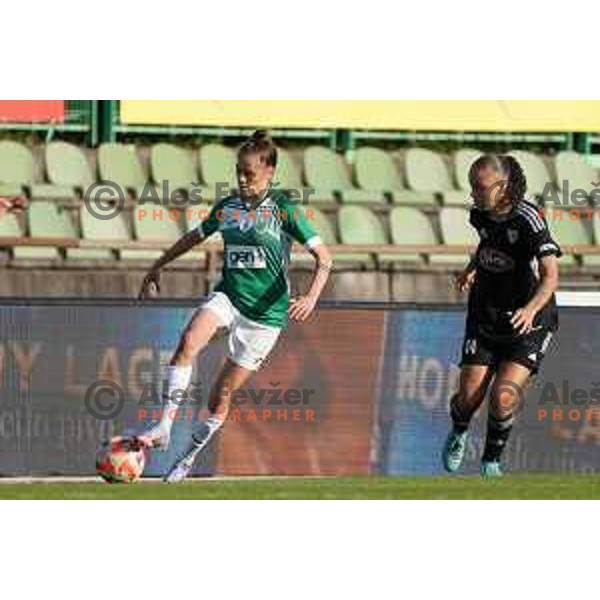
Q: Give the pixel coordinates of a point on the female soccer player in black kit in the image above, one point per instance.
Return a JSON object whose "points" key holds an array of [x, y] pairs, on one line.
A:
{"points": [[511, 310]]}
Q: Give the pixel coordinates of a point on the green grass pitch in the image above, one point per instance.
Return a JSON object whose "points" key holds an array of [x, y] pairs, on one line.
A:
{"points": [[351, 488]]}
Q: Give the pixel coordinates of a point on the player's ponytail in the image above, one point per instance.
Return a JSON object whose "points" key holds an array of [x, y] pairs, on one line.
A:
{"points": [[260, 142]]}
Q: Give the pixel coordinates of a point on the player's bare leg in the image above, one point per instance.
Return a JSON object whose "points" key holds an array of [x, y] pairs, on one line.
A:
{"points": [[474, 383], [194, 339], [506, 397], [231, 378]]}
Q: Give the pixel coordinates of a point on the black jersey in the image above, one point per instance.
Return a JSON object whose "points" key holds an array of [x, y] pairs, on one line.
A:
{"points": [[507, 268]]}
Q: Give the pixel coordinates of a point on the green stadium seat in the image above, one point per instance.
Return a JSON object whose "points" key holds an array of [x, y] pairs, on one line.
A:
{"points": [[326, 173], [535, 171], [375, 171], [16, 168], [573, 168], [69, 173], [457, 198], [593, 259], [108, 230], [426, 171], [11, 189], [217, 165], [120, 163], [287, 176], [463, 159], [152, 228], [175, 165], [359, 225], [409, 226], [46, 219], [456, 230], [569, 232], [9, 226]]}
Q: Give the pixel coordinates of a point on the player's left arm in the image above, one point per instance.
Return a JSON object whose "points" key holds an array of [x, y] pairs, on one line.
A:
{"points": [[301, 307], [301, 229], [547, 252]]}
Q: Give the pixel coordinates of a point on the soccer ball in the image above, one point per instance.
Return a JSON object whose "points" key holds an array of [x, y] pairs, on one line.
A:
{"points": [[120, 461]]}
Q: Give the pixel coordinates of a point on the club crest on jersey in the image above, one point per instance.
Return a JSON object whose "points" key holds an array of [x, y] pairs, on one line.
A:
{"points": [[513, 235], [495, 261], [245, 257]]}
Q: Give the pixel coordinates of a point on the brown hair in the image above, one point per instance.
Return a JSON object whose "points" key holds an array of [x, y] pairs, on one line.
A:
{"points": [[260, 143]]}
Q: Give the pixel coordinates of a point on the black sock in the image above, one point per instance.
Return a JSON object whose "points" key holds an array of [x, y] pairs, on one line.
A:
{"points": [[459, 415], [498, 432]]}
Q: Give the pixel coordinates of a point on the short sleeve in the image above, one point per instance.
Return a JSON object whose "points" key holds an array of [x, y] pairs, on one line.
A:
{"points": [[539, 240], [211, 224], [295, 223]]}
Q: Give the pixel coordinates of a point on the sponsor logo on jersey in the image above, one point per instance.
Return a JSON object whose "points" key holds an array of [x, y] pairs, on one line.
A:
{"points": [[245, 257], [495, 261], [513, 235]]}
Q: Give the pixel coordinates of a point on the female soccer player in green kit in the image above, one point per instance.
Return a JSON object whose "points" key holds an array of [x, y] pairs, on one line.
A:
{"points": [[252, 301]]}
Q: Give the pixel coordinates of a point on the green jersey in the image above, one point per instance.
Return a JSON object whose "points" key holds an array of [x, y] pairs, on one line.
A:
{"points": [[257, 253]]}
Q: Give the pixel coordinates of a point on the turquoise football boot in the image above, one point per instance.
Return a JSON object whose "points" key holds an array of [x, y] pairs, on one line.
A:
{"points": [[490, 469], [454, 450]]}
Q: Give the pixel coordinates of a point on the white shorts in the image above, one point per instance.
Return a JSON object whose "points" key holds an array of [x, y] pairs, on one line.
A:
{"points": [[249, 342]]}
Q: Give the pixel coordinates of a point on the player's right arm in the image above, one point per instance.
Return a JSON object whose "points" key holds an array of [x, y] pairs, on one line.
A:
{"points": [[465, 279], [151, 283]]}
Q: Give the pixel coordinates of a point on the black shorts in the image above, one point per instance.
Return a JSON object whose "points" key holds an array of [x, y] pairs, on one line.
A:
{"points": [[527, 350]]}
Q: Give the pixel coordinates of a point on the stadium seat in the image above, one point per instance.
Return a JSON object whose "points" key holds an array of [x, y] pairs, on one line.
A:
{"points": [[69, 173], [119, 163], [16, 168], [409, 226], [93, 229], [375, 171], [463, 159], [456, 230], [155, 228], [569, 232], [287, 175], [359, 225], [326, 173], [217, 165], [175, 165], [535, 171], [572, 167], [46, 219], [426, 171], [457, 198], [9, 227]]}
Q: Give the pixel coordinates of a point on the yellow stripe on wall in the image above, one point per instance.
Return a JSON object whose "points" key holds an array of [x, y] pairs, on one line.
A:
{"points": [[424, 115]]}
